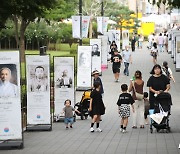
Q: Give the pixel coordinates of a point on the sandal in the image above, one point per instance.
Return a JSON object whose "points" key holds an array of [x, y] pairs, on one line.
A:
{"points": [[142, 126], [134, 127]]}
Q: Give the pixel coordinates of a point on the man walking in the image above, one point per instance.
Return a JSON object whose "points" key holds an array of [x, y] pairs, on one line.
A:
{"points": [[127, 59]]}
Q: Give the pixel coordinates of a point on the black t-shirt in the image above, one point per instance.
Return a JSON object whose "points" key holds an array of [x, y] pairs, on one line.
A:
{"points": [[116, 60], [125, 98], [157, 83]]}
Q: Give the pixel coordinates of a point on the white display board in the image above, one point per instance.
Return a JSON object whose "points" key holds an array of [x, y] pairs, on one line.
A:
{"points": [[38, 89], [116, 37], [10, 96], [175, 36], [125, 38], [178, 53], [63, 82], [173, 32], [84, 67], [96, 54], [104, 51], [169, 41]]}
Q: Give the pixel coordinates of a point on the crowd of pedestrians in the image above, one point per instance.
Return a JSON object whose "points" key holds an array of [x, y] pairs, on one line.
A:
{"points": [[132, 97]]}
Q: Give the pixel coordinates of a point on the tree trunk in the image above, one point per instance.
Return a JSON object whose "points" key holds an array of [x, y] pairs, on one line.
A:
{"points": [[9, 43], [90, 28], [49, 42], [22, 39], [15, 19]]}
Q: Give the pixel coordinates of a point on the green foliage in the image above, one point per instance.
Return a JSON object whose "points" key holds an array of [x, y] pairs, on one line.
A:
{"points": [[9, 31], [63, 9], [5, 11]]}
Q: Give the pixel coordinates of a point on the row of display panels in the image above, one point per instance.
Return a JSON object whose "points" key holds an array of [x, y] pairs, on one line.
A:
{"points": [[174, 47], [38, 86]]}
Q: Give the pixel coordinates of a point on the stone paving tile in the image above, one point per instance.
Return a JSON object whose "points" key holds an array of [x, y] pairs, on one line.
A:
{"points": [[136, 141]]}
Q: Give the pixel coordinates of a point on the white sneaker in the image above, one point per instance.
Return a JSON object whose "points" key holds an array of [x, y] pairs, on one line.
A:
{"points": [[98, 130], [123, 131], [120, 129], [91, 129]]}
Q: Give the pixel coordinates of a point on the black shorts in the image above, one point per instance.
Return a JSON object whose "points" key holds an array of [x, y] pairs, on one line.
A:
{"points": [[116, 69]]}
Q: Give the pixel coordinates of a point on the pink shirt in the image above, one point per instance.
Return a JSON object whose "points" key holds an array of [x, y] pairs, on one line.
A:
{"points": [[160, 40]]}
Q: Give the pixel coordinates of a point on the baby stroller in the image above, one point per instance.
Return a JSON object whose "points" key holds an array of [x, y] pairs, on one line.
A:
{"points": [[162, 109], [83, 105]]}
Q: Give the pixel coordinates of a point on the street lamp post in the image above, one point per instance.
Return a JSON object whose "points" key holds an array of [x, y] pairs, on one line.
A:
{"points": [[102, 8], [137, 8]]}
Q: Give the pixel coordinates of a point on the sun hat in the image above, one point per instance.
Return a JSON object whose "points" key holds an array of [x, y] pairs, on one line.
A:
{"points": [[95, 72]]}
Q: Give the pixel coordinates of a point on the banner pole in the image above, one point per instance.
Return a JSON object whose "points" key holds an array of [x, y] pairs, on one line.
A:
{"points": [[80, 13]]}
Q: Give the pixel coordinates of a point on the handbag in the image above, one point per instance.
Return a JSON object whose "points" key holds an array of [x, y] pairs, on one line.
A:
{"points": [[138, 95]]}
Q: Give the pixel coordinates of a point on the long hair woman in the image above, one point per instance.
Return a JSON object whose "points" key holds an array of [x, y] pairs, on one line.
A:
{"points": [[136, 86]]}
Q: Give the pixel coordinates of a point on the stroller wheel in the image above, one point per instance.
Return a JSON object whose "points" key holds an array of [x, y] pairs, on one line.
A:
{"points": [[168, 130], [82, 117], [86, 117], [157, 130], [151, 130]]}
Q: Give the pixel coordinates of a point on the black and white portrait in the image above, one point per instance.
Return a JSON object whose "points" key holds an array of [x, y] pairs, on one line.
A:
{"points": [[64, 77], [38, 78], [84, 60], [95, 50], [8, 80]]}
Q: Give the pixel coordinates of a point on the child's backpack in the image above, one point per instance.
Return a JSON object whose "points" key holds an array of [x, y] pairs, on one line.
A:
{"points": [[166, 71]]}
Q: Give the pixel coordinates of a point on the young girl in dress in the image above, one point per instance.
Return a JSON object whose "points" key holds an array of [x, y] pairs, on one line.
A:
{"points": [[97, 107]]}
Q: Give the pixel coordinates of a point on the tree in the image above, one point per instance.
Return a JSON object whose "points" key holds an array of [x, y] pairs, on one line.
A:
{"points": [[124, 17], [171, 3], [65, 34], [24, 12]]}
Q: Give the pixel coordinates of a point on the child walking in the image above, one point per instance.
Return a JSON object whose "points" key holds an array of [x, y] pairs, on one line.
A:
{"points": [[124, 101], [96, 107], [68, 110]]}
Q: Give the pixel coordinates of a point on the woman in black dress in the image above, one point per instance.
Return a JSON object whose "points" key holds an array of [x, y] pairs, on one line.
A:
{"points": [[97, 107], [157, 83]]}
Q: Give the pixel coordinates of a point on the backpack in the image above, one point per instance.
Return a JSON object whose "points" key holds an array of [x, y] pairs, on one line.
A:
{"points": [[166, 71]]}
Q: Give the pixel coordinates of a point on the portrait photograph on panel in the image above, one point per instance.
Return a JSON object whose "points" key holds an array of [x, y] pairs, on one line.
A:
{"points": [[8, 80], [84, 60], [95, 50], [63, 76], [38, 78]]}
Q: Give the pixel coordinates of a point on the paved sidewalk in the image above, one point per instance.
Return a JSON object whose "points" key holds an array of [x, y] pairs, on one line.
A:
{"points": [[136, 141]]}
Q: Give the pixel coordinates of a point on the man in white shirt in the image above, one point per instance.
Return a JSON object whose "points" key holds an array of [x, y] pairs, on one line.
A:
{"points": [[127, 59], [160, 42], [7, 89]]}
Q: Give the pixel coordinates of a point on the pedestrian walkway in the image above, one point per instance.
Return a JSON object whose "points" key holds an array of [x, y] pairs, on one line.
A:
{"points": [[136, 141]]}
